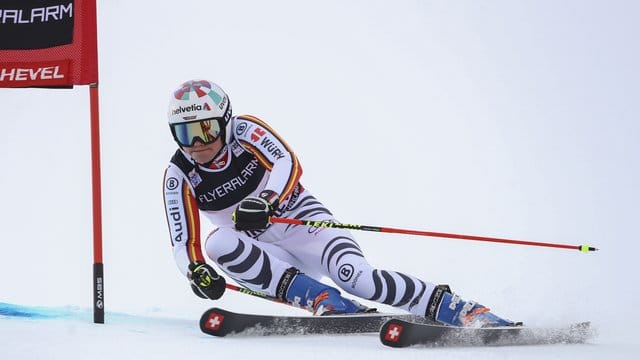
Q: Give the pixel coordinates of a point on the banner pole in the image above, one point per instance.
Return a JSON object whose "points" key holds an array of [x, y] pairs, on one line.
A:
{"points": [[98, 275]]}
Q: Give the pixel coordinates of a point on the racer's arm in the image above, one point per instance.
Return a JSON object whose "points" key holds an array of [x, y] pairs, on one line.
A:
{"points": [[272, 152], [183, 219]]}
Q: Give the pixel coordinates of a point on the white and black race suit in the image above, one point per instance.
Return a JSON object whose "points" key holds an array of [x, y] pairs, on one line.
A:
{"points": [[255, 159]]}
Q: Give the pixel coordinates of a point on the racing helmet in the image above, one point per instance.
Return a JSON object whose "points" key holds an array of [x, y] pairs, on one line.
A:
{"points": [[199, 110]]}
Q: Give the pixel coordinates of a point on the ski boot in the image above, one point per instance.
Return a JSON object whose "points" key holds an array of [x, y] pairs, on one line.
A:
{"points": [[448, 308], [320, 299]]}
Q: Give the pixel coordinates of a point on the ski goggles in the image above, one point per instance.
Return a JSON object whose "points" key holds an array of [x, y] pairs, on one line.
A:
{"points": [[206, 131]]}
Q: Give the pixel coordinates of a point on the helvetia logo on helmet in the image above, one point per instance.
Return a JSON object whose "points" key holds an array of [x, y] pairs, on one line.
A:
{"points": [[190, 108]]}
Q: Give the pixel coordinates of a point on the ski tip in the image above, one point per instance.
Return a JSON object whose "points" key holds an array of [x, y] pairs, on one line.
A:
{"points": [[212, 322], [391, 333]]}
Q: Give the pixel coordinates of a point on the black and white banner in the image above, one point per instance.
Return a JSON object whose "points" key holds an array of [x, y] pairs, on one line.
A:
{"points": [[35, 24]]}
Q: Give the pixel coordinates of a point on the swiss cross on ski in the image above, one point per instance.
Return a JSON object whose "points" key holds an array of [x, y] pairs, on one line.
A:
{"points": [[215, 321], [393, 333]]}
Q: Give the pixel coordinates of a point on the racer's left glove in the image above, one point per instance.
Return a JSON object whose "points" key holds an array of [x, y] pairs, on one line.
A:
{"points": [[253, 213]]}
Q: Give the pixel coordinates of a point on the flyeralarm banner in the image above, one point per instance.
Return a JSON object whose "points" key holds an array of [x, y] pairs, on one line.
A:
{"points": [[48, 43]]}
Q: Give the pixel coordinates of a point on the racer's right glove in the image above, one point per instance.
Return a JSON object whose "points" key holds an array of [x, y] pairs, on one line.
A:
{"points": [[205, 282]]}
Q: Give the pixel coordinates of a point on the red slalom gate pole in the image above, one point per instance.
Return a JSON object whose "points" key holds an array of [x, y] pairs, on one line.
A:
{"points": [[98, 267], [328, 224]]}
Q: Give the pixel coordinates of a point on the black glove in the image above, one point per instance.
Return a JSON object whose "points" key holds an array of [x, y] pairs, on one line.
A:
{"points": [[205, 281], [253, 213]]}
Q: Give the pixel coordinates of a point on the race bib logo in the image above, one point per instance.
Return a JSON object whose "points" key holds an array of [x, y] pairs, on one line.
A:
{"points": [[345, 272], [242, 127], [171, 183], [194, 178]]}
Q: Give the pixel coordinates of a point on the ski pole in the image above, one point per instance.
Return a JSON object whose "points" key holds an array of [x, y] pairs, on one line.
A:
{"points": [[257, 294], [329, 224]]}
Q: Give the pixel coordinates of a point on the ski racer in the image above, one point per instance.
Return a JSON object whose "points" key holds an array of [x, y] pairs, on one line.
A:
{"points": [[237, 172]]}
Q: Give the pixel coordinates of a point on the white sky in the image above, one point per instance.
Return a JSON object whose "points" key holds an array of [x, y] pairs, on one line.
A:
{"points": [[497, 118]]}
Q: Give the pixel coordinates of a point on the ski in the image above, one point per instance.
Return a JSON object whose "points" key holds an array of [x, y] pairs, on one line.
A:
{"points": [[220, 322], [400, 333]]}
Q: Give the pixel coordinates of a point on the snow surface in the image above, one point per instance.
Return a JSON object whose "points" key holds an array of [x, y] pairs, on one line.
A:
{"points": [[64, 333], [498, 118]]}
